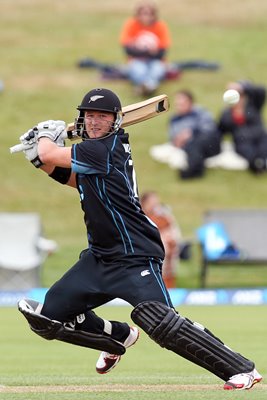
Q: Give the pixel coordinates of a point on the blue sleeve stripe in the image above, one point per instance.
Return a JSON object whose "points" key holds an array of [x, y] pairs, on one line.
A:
{"points": [[80, 169], [82, 164]]}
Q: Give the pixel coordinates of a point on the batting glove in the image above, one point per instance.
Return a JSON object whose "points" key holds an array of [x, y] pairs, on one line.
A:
{"points": [[30, 142], [53, 130]]}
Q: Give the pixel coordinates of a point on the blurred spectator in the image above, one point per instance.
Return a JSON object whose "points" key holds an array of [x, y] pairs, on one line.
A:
{"points": [[145, 40], [170, 233], [244, 122], [193, 129]]}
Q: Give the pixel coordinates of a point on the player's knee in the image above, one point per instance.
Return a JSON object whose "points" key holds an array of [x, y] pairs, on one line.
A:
{"points": [[54, 306], [159, 321]]}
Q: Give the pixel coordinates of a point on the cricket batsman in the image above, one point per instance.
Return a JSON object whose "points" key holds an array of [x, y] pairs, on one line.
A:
{"points": [[124, 254]]}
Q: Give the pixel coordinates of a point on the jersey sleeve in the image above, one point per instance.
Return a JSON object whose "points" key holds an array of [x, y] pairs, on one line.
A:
{"points": [[90, 157]]}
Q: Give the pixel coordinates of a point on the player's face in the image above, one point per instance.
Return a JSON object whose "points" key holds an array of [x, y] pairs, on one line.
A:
{"points": [[98, 123]]}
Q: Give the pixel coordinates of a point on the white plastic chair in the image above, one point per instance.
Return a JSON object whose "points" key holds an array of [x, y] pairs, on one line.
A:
{"points": [[23, 250]]}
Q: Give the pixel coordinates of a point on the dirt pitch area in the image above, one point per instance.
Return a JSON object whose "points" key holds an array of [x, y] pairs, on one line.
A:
{"points": [[112, 388]]}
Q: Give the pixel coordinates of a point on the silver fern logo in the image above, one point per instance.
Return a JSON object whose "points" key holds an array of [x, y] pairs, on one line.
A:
{"points": [[94, 98]]}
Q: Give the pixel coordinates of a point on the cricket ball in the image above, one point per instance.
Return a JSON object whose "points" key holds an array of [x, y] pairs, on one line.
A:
{"points": [[231, 97]]}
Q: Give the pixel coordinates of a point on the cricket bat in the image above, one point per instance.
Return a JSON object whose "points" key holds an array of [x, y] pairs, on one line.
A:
{"points": [[131, 114]]}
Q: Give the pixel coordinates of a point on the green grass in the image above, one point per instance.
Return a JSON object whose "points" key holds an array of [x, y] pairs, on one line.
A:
{"points": [[28, 360], [41, 43]]}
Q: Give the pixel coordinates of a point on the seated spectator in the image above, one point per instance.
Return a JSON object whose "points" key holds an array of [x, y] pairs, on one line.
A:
{"points": [[244, 122], [193, 129], [145, 40], [170, 233]]}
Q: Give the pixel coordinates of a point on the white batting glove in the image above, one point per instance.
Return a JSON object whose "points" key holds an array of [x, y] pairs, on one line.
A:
{"points": [[30, 141], [53, 130]]}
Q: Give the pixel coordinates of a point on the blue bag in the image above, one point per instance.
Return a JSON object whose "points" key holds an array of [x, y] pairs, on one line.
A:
{"points": [[216, 242]]}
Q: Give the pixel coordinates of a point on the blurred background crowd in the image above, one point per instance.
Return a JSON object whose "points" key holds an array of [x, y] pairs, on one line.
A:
{"points": [[202, 154]]}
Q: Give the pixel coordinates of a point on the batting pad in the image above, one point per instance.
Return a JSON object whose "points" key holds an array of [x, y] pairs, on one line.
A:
{"points": [[51, 329], [190, 340]]}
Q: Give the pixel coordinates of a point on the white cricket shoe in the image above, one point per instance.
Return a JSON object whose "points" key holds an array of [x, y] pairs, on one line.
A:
{"points": [[106, 361], [243, 381]]}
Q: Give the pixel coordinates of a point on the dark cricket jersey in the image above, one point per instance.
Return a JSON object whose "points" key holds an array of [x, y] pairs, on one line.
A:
{"points": [[116, 225]]}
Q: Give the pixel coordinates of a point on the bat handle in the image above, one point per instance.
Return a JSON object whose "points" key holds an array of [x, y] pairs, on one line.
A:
{"points": [[18, 148]]}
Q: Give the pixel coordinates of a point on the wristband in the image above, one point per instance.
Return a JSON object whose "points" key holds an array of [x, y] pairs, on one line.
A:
{"points": [[61, 175], [37, 162]]}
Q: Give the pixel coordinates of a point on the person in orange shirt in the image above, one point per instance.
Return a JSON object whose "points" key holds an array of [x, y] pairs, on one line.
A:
{"points": [[145, 40]]}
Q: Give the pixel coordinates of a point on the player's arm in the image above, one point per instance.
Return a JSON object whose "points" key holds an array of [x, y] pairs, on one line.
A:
{"points": [[61, 175], [44, 148], [56, 161], [53, 155]]}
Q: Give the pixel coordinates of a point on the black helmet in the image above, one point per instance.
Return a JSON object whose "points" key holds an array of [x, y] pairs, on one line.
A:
{"points": [[99, 100]]}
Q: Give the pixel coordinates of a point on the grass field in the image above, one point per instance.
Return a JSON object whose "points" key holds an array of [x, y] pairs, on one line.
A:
{"points": [[32, 368], [41, 42]]}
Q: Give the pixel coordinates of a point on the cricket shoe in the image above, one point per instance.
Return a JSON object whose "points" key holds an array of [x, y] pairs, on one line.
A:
{"points": [[106, 361], [243, 381]]}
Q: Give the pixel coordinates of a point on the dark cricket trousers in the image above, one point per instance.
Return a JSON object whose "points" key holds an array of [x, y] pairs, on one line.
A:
{"points": [[91, 283]]}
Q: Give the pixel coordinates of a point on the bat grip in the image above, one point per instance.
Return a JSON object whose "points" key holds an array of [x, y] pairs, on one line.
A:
{"points": [[18, 148]]}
